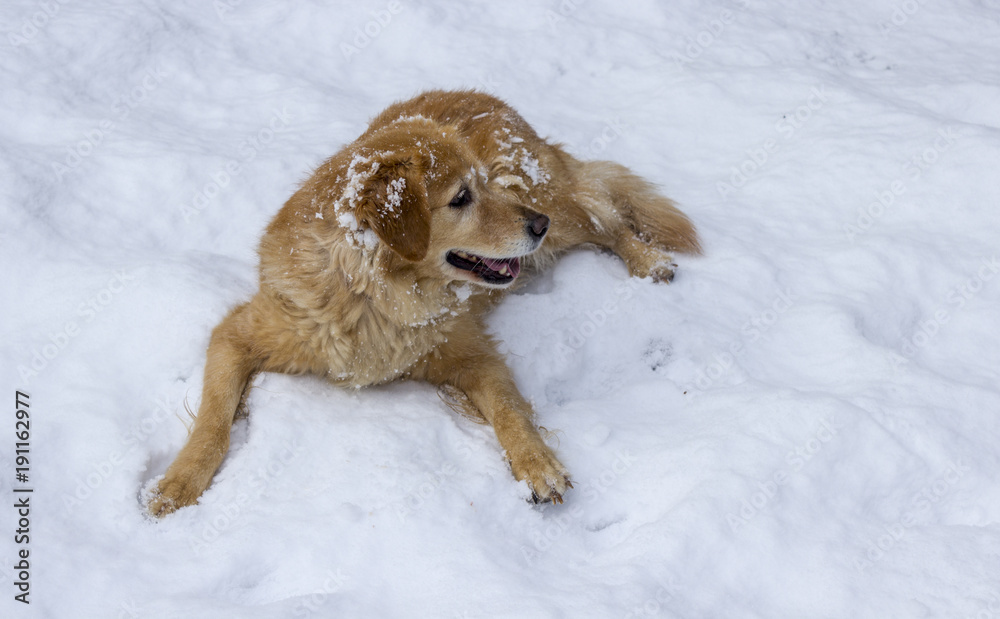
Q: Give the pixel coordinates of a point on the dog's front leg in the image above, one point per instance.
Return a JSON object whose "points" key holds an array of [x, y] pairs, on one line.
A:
{"points": [[228, 370], [477, 369]]}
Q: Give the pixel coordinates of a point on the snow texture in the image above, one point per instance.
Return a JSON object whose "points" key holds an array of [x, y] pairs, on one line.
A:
{"points": [[803, 424]]}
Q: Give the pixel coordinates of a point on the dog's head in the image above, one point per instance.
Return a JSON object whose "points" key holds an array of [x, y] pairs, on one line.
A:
{"points": [[427, 198]]}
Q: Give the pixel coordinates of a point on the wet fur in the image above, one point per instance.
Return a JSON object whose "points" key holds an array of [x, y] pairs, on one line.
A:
{"points": [[358, 291]]}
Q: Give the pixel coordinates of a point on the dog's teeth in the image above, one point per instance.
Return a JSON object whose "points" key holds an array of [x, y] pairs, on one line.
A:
{"points": [[503, 270]]}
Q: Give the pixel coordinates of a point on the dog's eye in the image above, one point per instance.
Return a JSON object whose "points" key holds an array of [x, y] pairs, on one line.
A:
{"points": [[462, 198]]}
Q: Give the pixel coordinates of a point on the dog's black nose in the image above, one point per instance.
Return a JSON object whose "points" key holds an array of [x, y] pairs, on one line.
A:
{"points": [[538, 226]]}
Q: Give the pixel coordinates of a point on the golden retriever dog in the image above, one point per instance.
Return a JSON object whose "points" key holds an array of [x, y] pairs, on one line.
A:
{"points": [[383, 264]]}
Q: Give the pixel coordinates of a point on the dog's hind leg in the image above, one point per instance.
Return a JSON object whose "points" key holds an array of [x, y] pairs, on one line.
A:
{"points": [[229, 367], [624, 213], [644, 259]]}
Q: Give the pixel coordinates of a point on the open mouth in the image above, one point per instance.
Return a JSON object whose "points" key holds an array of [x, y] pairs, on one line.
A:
{"points": [[490, 270]]}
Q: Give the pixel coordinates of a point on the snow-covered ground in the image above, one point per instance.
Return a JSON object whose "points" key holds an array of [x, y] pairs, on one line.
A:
{"points": [[804, 424]]}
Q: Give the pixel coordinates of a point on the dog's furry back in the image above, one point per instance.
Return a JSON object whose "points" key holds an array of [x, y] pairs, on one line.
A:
{"points": [[588, 201]]}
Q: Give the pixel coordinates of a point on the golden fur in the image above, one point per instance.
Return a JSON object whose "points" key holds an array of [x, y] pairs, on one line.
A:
{"points": [[356, 283]]}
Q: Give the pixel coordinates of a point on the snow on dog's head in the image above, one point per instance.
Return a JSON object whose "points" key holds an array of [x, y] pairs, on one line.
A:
{"points": [[415, 194]]}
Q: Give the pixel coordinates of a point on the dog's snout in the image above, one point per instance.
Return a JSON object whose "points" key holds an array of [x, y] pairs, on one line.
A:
{"points": [[538, 226]]}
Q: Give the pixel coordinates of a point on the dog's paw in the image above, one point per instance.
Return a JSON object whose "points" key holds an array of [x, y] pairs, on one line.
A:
{"points": [[646, 260], [172, 493], [546, 476], [663, 272]]}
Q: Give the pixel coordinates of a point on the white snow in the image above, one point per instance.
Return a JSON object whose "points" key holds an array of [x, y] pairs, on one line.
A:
{"points": [[530, 166], [394, 194], [803, 424]]}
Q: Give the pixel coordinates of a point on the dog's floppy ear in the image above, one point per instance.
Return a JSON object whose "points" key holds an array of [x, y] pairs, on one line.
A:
{"points": [[393, 204]]}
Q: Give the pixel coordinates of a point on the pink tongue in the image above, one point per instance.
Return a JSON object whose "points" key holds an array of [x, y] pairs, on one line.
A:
{"points": [[513, 265]]}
